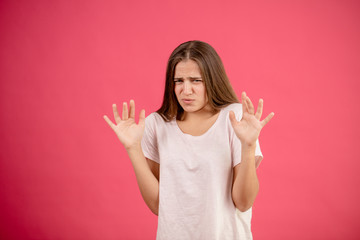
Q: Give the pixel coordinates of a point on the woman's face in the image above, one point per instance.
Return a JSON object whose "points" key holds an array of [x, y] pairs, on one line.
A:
{"points": [[189, 86]]}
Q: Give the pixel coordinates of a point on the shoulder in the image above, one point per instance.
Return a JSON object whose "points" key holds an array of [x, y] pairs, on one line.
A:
{"points": [[154, 118], [155, 124], [235, 107], [152, 122]]}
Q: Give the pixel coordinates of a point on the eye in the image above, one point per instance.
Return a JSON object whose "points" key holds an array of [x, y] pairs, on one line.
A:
{"points": [[178, 81], [197, 80]]}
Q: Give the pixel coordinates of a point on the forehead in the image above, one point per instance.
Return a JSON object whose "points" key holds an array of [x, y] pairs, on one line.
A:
{"points": [[187, 68]]}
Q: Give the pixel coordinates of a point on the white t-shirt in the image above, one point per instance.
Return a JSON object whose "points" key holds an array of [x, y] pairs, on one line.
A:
{"points": [[196, 178]]}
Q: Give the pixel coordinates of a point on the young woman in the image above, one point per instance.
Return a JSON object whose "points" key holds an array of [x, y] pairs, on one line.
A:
{"points": [[195, 158]]}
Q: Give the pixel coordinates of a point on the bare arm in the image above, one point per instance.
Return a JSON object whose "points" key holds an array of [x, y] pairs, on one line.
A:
{"points": [[245, 182]]}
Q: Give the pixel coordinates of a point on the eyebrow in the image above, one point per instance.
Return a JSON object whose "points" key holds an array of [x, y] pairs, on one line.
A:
{"points": [[190, 78]]}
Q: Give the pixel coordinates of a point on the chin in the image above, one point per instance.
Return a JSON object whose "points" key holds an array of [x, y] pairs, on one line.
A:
{"points": [[187, 108], [191, 109]]}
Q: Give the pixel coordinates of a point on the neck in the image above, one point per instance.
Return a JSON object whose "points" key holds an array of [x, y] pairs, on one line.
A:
{"points": [[203, 114]]}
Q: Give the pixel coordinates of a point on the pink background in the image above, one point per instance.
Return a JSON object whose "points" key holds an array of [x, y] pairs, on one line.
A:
{"points": [[64, 173]]}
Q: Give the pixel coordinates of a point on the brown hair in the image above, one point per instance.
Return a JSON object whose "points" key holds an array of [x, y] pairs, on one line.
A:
{"points": [[218, 88]]}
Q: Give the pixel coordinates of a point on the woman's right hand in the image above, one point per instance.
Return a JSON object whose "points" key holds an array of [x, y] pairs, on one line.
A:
{"points": [[128, 132]]}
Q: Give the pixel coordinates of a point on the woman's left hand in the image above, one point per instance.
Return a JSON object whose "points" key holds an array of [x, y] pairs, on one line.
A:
{"points": [[249, 127]]}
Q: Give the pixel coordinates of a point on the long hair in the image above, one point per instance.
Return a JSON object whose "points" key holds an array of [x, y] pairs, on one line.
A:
{"points": [[218, 88]]}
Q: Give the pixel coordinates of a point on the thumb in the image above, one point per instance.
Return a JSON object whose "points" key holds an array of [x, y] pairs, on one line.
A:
{"points": [[142, 117], [232, 118]]}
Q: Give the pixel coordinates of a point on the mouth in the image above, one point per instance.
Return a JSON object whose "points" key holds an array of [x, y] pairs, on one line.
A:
{"points": [[187, 100]]}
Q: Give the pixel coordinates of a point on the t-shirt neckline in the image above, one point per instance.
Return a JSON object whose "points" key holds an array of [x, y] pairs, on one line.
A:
{"points": [[202, 135]]}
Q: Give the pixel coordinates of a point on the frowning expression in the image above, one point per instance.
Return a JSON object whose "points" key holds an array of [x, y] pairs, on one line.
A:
{"points": [[189, 86]]}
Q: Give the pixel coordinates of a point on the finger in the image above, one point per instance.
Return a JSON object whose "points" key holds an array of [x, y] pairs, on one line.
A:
{"points": [[250, 106], [132, 109], [267, 119], [259, 109], [111, 124], [142, 117], [125, 114], [232, 118], [116, 114], [243, 102]]}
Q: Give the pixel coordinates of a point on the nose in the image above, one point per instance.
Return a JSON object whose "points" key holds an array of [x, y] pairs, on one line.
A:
{"points": [[187, 88]]}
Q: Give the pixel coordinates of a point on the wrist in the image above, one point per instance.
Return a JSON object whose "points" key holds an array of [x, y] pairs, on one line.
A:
{"points": [[248, 154], [248, 144], [133, 148]]}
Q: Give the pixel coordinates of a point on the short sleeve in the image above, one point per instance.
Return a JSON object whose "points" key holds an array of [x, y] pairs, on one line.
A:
{"points": [[149, 140], [235, 143]]}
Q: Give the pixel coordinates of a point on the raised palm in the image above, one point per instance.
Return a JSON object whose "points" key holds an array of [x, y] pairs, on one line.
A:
{"points": [[128, 132], [249, 127]]}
